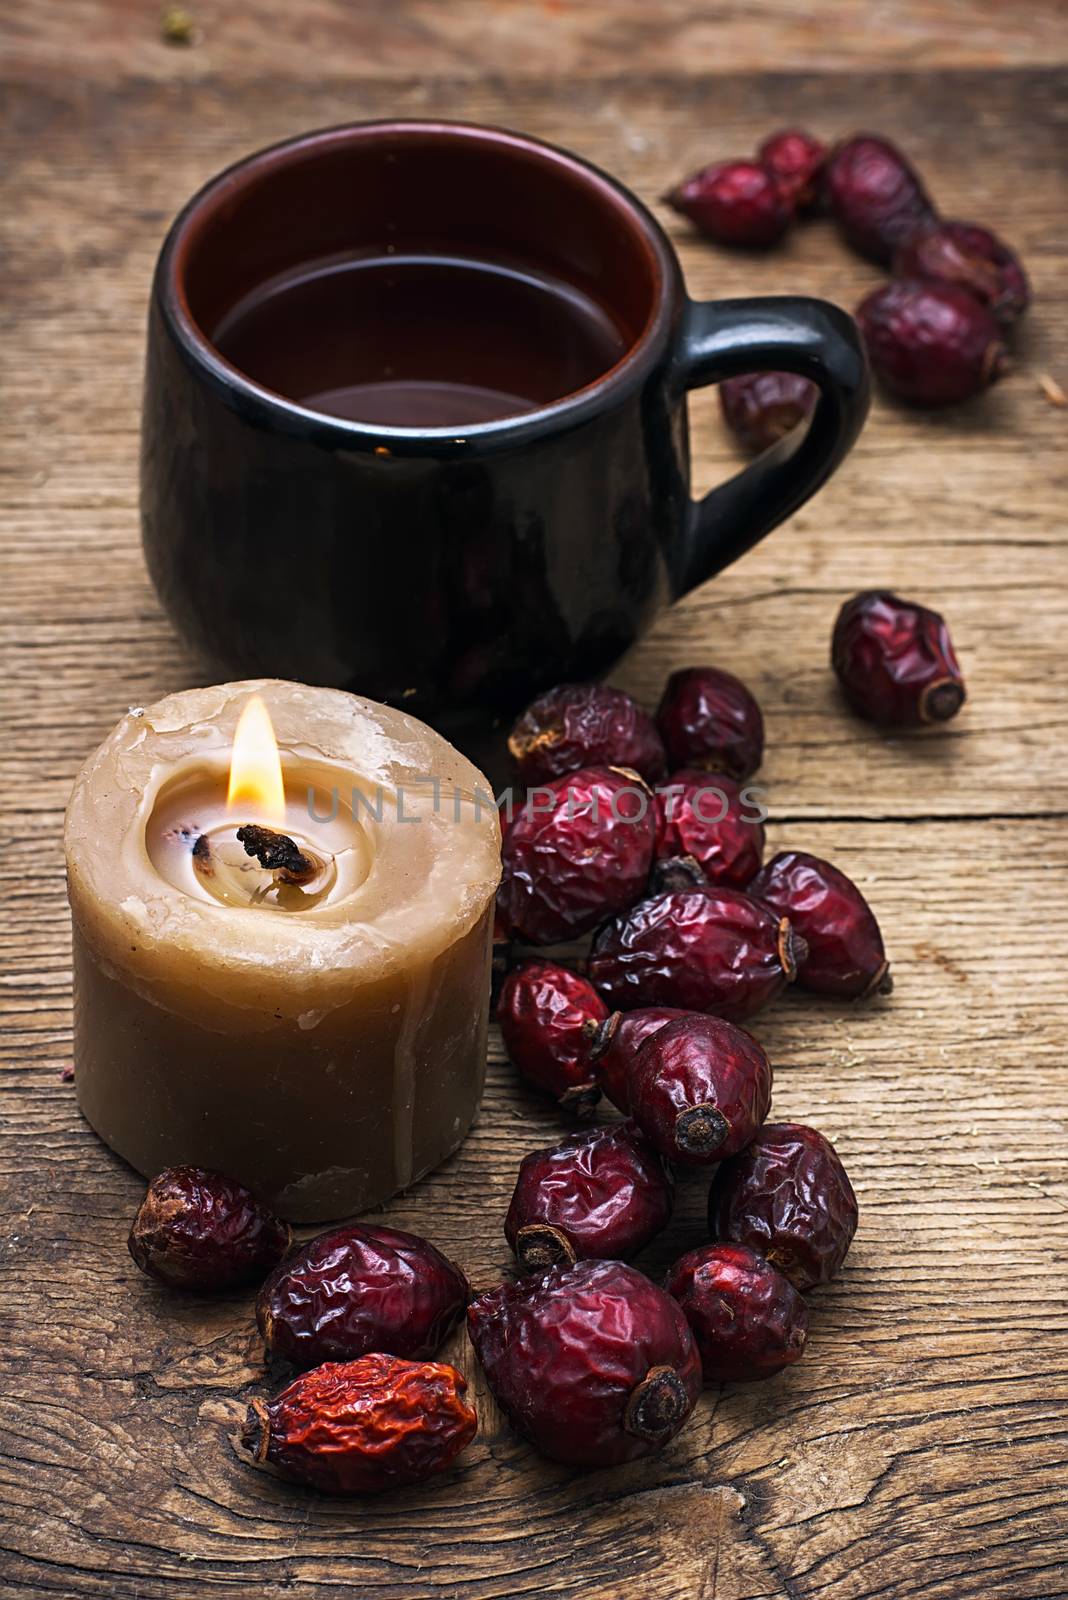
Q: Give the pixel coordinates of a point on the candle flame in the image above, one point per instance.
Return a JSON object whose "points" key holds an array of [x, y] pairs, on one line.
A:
{"points": [[255, 766]]}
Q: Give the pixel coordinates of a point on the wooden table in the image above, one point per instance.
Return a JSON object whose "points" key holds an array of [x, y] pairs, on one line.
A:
{"points": [[919, 1449]]}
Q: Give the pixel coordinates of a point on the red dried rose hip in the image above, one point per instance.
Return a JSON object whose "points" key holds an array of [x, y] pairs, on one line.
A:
{"points": [[796, 160], [973, 258], [548, 1016], [709, 719], [845, 948], [577, 851], [760, 408], [788, 1197], [895, 661], [615, 1044], [700, 1089], [735, 203], [593, 1363], [932, 344], [747, 1318], [714, 950], [358, 1289], [360, 1427], [604, 1193], [874, 195], [709, 818], [585, 725], [197, 1229]]}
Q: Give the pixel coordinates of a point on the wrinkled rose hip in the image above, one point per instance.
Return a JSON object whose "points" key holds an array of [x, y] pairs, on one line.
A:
{"points": [[709, 719], [197, 1229], [577, 851], [602, 1194], [760, 408], [585, 725], [845, 948], [707, 817], [615, 1044], [734, 202], [932, 344], [973, 258], [747, 1318], [796, 160], [895, 661], [358, 1289], [713, 950], [593, 1363], [874, 195], [700, 1089], [361, 1427], [548, 1016], [788, 1197]]}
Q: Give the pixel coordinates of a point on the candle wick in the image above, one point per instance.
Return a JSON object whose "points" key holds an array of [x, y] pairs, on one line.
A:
{"points": [[276, 852]]}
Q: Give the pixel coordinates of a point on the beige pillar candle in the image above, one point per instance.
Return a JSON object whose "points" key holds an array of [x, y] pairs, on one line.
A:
{"points": [[315, 1029]]}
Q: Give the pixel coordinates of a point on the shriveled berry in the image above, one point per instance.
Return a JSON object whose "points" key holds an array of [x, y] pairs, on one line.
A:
{"points": [[548, 1015], [874, 195], [714, 950], [709, 719], [734, 202], [973, 258], [197, 1229], [360, 1427], [700, 1089], [357, 1289], [846, 955], [603, 1193], [615, 1045], [895, 661], [932, 344], [708, 818], [788, 1197], [796, 159], [747, 1318], [585, 725], [578, 851], [760, 408], [593, 1363]]}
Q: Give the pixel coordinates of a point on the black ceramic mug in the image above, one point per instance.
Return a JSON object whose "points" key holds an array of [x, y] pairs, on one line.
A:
{"points": [[415, 417]]}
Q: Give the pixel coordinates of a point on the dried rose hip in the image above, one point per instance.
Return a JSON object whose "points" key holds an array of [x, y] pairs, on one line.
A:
{"points": [[700, 1088], [585, 725], [548, 1015], [615, 1045], [676, 872], [973, 258], [604, 1193], [932, 344], [895, 661], [578, 850], [357, 1289], [197, 1229], [760, 408], [713, 950], [705, 816], [845, 948], [708, 719], [874, 195], [593, 1363], [747, 1318], [796, 160], [359, 1427], [788, 1197], [734, 202]]}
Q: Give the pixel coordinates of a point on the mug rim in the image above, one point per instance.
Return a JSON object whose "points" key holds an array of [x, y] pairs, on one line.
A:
{"points": [[616, 383]]}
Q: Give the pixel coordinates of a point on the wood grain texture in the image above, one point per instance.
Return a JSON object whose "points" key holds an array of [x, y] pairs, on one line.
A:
{"points": [[920, 1451]]}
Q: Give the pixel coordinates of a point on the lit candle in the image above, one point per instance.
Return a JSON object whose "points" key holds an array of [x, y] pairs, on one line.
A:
{"points": [[281, 963]]}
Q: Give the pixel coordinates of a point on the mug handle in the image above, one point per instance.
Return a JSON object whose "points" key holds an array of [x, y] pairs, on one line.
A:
{"points": [[787, 333]]}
